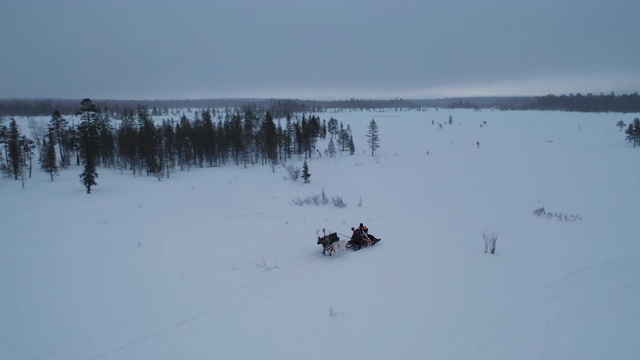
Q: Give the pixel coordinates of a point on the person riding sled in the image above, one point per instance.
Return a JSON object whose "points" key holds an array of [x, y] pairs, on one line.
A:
{"points": [[363, 233]]}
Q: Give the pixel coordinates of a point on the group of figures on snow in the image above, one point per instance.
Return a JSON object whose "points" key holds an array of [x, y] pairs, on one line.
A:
{"points": [[360, 238]]}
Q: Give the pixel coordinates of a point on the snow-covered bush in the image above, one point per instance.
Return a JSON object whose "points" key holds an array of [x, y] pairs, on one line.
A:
{"points": [[293, 172], [319, 199], [338, 202], [489, 241], [556, 215]]}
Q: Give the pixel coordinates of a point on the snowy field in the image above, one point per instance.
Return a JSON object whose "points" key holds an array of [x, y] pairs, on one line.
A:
{"points": [[218, 263]]}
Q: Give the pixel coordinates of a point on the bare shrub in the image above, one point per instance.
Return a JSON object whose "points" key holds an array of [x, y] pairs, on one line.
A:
{"points": [[489, 241], [556, 215], [338, 202], [323, 197], [319, 199], [335, 314], [293, 172]]}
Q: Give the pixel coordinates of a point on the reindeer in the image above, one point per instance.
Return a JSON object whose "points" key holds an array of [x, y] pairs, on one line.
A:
{"points": [[330, 243]]}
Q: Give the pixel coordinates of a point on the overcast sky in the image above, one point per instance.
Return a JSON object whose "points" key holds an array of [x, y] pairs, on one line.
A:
{"points": [[188, 49]]}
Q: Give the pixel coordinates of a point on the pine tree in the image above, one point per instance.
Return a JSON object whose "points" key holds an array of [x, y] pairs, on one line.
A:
{"points": [[48, 155], [331, 150], [3, 136], [341, 137], [168, 146], [288, 138], [127, 144], [633, 132], [352, 147], [332, 127], [28, 146], [89, 142], [58, 125], [15, 156], [374, 138], [305, 172], [270, 139]]}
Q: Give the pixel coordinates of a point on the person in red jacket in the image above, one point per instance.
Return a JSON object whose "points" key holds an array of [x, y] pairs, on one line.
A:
{"points": [[360, 234], [368, 238]]}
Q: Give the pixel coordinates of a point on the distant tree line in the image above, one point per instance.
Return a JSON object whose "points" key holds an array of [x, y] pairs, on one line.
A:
{"points": [[143, 146], [627, 103], [278, 108]]}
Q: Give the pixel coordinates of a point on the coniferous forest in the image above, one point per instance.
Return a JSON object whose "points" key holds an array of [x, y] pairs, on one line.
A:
{"points": [[132, 139], [139, 144], [625, 103]]}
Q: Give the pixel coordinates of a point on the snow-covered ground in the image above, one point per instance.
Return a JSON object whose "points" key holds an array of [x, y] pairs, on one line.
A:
{"points": [[219, 264]]}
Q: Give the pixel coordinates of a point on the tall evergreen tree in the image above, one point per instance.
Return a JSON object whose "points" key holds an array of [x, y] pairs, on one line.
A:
{"points": [[3, 136], [305, 172], [248, 138], [48, 156], [331, 149], [127, 142], [270, 139], [15, 156], [342, 137], [332, 127], [106, 143], [168, 146], [209, 138], [148, 141], [28, 146], [89, 142], [633, 132], [374, 137], [184, 151], [58, 125], [288, 138]]}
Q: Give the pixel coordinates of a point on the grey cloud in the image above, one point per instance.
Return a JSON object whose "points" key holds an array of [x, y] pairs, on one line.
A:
{"points": [[274, 48]]}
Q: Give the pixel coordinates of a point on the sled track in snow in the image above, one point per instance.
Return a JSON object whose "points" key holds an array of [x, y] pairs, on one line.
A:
{"points": [[535, 323], [140, 334]]}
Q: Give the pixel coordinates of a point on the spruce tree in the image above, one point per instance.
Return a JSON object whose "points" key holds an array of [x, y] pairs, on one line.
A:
{"points": [[331, 150], [288, 138], [58, 125], [633, 132], [168, 146], [305, 172], [332, 127], [15, 156], [341, 137], [48, 155], [28, 146], [89, 142], [3, 136], [374, 137], [270, 139]]}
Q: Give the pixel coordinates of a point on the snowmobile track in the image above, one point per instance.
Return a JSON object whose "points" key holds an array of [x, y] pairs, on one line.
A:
{"points": [[546, 313]]}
